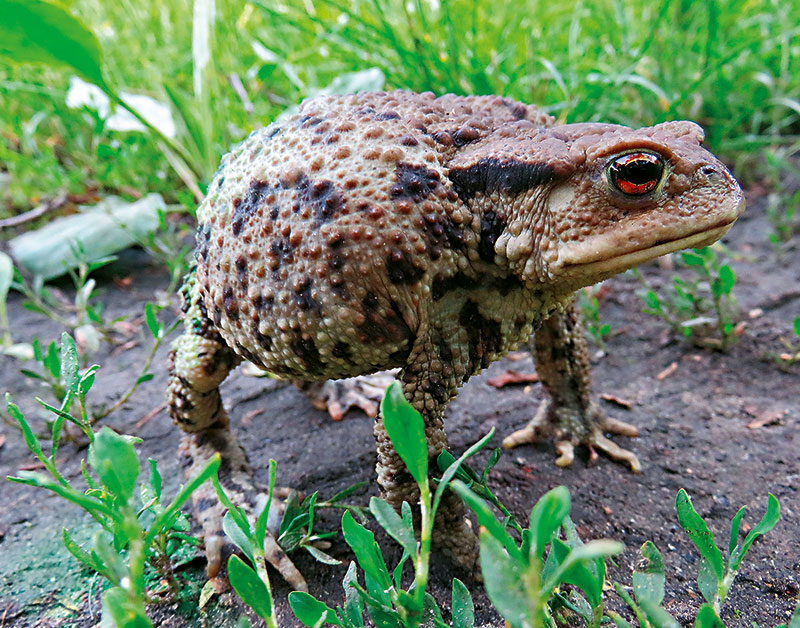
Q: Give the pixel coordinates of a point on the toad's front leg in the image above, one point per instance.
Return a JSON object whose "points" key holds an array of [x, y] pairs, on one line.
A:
{"points": [[428, 384], [570, 416]]}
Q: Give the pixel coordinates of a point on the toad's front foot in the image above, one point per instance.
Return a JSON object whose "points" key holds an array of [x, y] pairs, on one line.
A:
{"points": [[338, 396], [235, 476], [569, 427]]}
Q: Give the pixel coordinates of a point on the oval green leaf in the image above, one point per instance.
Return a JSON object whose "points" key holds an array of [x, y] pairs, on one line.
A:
{"points": [[311, 611], [114, 460], [406, 430], [250, 587]]}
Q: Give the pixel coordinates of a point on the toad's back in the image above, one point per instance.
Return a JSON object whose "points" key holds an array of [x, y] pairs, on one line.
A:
{"points": [[323, 235]]}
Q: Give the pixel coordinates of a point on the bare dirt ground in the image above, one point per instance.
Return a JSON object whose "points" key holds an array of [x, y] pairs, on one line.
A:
{"points": [[699, 430]]}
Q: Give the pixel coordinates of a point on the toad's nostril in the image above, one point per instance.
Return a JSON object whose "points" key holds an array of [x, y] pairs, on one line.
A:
{"points": [[708, 170]]}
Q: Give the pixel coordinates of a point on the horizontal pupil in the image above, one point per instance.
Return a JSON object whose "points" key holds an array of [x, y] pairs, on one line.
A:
{"points": [[640, 172]]}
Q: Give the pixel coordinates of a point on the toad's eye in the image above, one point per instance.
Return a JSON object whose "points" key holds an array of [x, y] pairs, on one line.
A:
{"points": [[636, 174]]}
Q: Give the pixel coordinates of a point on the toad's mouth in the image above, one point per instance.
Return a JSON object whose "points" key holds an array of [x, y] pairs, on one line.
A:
{"points": [[619, 263]]}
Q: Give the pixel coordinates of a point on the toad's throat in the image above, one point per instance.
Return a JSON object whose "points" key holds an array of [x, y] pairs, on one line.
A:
{"points": [[618, 263]]}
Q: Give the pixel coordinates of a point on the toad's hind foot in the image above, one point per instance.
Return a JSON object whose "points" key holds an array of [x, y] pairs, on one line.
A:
{"points": [[338, 396], [568, 430], [235, 476]]}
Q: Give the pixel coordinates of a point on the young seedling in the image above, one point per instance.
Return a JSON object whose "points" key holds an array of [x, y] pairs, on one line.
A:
{"points": [[782, 214], [158, 330], [648, 592], [251, 582], [387, 603], [696, 306], [595, 328], [523, 578], [716, 575]]}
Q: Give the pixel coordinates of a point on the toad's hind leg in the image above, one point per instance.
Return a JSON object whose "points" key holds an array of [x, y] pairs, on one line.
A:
{"points": [[571, 416], [198, 363], [428, 392]]}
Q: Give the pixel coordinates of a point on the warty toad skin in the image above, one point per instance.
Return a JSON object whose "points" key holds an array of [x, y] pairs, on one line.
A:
{"points": [[399, 230]]}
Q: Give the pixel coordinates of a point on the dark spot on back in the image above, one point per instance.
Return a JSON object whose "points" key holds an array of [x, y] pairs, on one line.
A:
{"points": [[378, 329], [492, 226], [245, 207], [230, 304], [309, 121], [387, 115], [282, 252], [241, 267], [306, 350], [321, 196], [342, 350], [402, 268], [203, 239], [443, 137], [441, 232], [303, 298], [264, 341], [274, 130], [414, 183], [436, 388], [508, 176]]}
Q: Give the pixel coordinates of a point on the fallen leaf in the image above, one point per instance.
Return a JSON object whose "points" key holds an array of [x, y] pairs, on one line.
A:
{"points": [[512, 377], [622, 403], [248, 417], [667, 371], [767, 417]]}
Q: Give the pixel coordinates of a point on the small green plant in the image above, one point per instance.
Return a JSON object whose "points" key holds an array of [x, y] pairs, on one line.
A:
{"points": [[523, 578], [792, 353], [51, 375], [699, 305], [715, 577], [138, 535], [782, 214], [82, 315], [251, 583], [387, 603], [519, 582], [589, 305]]}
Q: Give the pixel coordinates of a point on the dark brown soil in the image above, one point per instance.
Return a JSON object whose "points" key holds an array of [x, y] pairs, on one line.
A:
{"points": [[695, 433]]}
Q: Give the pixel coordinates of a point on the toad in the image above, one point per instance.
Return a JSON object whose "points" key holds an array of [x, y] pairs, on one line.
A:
{"points": [[431, 235]]}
